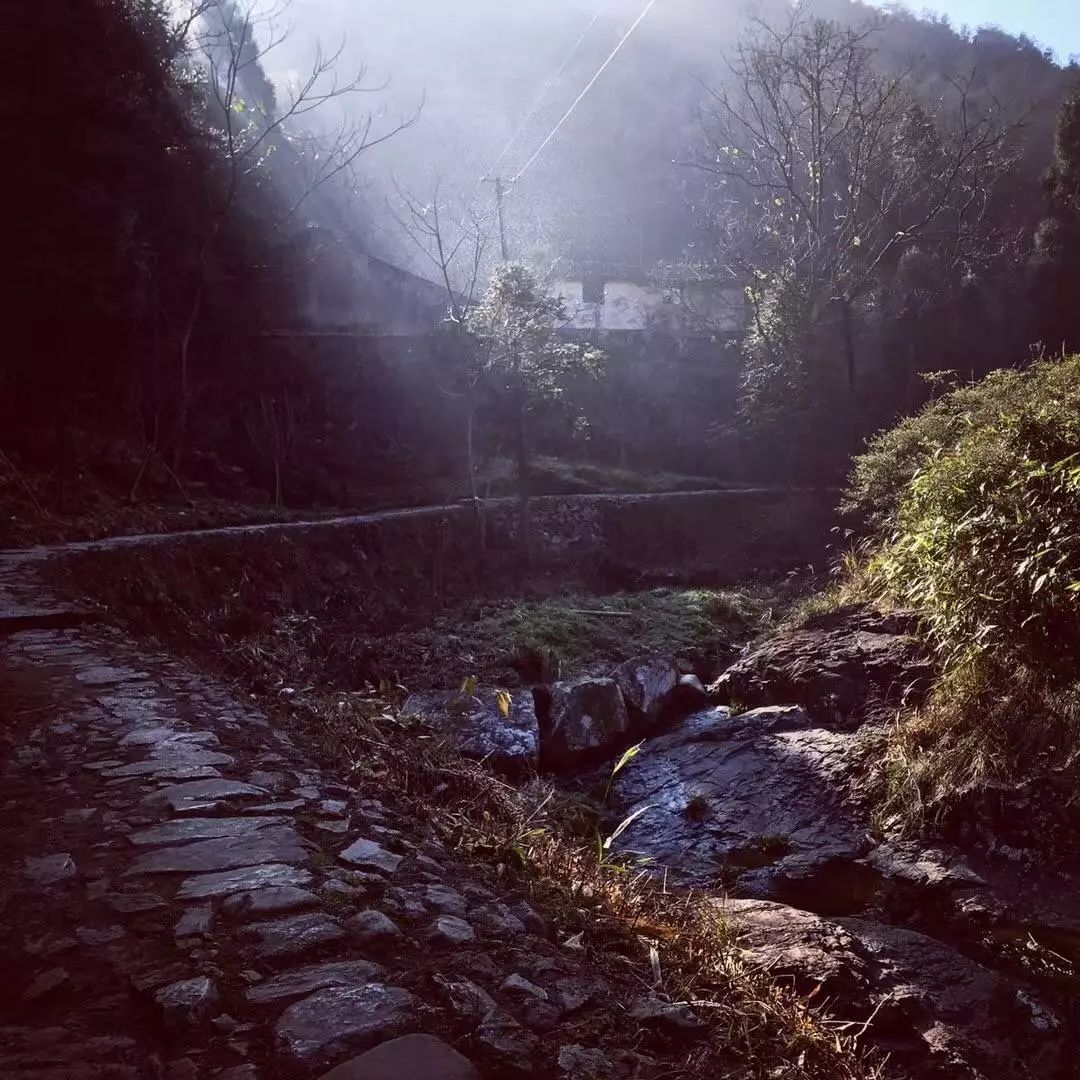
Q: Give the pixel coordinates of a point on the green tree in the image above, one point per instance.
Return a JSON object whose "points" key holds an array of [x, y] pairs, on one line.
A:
{"points": [[1056, 262], [521, 361], [824, 171]]}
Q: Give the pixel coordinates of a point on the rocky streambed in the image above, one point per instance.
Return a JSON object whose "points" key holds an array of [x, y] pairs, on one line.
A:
{"points": [[961, 957]]}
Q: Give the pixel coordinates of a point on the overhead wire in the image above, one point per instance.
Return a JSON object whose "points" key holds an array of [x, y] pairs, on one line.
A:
{"points": [[544, 90], [588, 86]]}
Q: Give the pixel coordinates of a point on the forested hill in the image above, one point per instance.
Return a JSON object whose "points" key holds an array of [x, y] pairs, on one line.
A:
{"points": [[172, 163], [608, 187]]}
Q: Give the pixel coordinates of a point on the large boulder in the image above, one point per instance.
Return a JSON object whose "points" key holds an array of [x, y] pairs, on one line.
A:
{"points": [[938, 1012], [646, 684], [840, 667], [753, 802], [507, 740], [584, 720]]}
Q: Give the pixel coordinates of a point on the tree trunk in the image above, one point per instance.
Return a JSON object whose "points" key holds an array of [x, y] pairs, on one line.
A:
{"points": [[184, 396], [470, 457], [522, 448]]}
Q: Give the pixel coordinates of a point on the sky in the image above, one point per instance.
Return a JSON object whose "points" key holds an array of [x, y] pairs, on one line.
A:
{"points": [[1053, 23]]}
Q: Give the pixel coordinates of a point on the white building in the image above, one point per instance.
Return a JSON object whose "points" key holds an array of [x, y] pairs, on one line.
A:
{"points": [[630, 302]]}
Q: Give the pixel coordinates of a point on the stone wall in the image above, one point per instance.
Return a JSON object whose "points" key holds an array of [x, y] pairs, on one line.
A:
{"points": [[388, 566]]}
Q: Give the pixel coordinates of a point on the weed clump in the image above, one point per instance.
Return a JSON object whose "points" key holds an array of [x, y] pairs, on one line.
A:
{"points": [[973, 516]]}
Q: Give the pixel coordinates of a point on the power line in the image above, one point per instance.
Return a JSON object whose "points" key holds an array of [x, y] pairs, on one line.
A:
{"points": [[588, 86], [544, 91]]}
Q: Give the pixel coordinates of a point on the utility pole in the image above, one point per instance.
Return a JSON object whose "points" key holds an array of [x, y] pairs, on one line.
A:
{"points": [[500, 192]]}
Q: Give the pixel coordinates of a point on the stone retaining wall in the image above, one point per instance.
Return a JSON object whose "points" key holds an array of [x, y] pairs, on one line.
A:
{"points": [[395, 560]]}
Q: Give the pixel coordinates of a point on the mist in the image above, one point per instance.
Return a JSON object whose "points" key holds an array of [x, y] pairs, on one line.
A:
{"points": [[490, 81]]}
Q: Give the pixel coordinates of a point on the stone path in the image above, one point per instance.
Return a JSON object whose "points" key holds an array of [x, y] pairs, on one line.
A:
{"points": [[185, 896]]}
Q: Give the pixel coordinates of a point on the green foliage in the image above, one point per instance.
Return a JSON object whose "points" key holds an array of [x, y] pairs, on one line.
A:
{"points": [[1056, 263], [976, 515], [987, 543], [518, 352], [881, 476]]}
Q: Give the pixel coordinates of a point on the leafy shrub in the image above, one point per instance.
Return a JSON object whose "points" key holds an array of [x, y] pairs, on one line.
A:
{"points": [[987, 533], [893, 458], [974, 506]]}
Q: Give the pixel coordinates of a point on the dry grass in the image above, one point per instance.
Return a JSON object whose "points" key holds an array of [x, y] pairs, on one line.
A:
{"points": [[981, 726], [518, 839], [530, 839]]}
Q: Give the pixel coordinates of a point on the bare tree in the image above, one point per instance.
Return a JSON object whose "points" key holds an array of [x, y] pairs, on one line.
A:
{"points": [[825, 171], [271, 427], [250, 124], [454, 240]]}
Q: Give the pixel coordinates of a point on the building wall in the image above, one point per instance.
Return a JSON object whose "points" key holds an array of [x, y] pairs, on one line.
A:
{"points": [[692, 308]]}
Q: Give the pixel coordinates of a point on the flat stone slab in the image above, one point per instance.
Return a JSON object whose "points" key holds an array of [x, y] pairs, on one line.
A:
{"points": [[273, 901], [296, 935], [338, 1021], [170, 762], [306, 980], [242, 879], [163, 735], [280, 844], [412, 1057], [50, 869], [196, 794], [367, 855], [195, 828]]}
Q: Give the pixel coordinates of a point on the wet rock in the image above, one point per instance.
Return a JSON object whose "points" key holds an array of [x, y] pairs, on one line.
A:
{"points": [[306, 980], [241, 880], [202, 794], [151, 976], [278, 844], [411, 1057], [188, 1002], [50, 869], [238, 1072], [134, 902], [466, 998], [923, 868], [367, 855], [730, 797], [49, 945], [932, 1006], [284, 939], [586, 719], [177, 761], [446, 900], [671, 1017], [341, 1020], [646, 684], [688, 696], [508, 742], [46, 983], [517, 986], [840, 666], [276, 900], [89, 935], [816, 952], [373, 929], [580, 1063], [195, 828], [182, 1069], [450, 930], [196, 921], [498, 919], [162, 735], [504, 1036]]}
